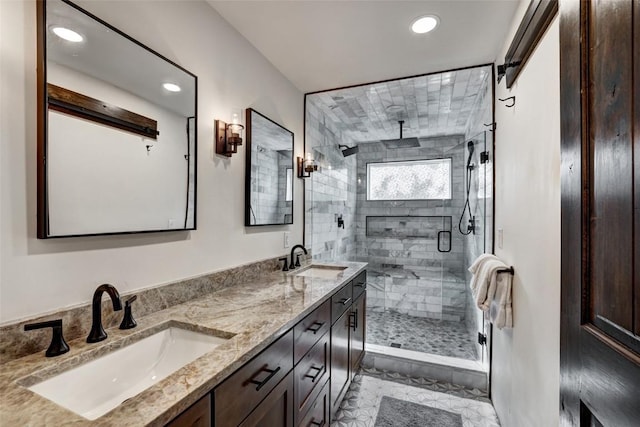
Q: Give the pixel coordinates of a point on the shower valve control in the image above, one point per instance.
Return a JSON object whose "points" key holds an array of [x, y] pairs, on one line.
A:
{"points": [[484, 157], [482, 338], [471, 228]]}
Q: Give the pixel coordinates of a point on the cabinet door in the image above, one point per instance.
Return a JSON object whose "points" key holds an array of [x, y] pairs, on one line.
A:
{"points": [[198, 415], [358, 328], [276, 410], [340, 366]]}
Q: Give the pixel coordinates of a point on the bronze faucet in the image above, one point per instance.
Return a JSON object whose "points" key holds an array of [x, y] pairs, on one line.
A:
{"points": [[293, 265], [97, 331]]}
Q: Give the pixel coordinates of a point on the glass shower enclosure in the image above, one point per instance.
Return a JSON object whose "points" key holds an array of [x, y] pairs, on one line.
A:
{"points": [[419, 251]]}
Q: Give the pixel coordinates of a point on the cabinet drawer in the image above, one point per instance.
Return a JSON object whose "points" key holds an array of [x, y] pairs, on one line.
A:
{"points": [[309, 330], [275, 409], [241, 392], [341, 301], [359, 284], [318, 415], [198, 415], [310, 374]]}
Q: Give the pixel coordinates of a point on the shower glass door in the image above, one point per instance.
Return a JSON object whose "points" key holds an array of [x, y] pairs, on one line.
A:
{"points": [[477, 223], [417, 283]]}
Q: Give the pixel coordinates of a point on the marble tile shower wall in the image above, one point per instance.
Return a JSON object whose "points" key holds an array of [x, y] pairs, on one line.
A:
{"points": [[329, 192], [407, 273]]}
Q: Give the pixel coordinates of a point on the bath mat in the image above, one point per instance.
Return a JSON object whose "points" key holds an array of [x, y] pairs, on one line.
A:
{"points": [[400, 413]]}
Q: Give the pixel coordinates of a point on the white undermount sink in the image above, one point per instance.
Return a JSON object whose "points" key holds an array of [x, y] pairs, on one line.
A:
{"points": [[321, 271], [93, 389]]}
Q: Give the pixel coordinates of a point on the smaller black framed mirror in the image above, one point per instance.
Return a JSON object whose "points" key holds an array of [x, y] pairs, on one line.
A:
{"points": [[269, 172]]}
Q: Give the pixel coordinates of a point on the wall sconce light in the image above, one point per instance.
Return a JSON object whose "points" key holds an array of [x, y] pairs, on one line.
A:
{"points": [[229, 135], [306, 165]]}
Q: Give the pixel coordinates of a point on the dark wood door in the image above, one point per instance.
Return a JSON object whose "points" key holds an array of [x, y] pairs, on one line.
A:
{"points": [[340, 367], [358, 327], [276, 410], [600, 109]]}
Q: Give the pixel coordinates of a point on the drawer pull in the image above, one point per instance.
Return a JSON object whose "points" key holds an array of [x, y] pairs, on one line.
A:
{"points": [[272, 373], [360, 284], [354, 314], [316, 423], [344, 301], [315, 327], [315, 377]]}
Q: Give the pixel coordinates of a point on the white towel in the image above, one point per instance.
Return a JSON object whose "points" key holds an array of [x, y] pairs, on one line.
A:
{"points": [[483, 286], [500, 311], [474, 269]]}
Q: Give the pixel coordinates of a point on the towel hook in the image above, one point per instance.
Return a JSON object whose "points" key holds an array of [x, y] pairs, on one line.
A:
{"points": [[511, 98], [493, 126]]}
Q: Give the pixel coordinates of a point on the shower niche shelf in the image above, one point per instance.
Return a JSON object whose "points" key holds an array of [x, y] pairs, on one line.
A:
{"points": [[432, 227]]}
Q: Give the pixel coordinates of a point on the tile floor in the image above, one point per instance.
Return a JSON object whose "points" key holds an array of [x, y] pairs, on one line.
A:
{"points": [[361, 403], [432, 336]]}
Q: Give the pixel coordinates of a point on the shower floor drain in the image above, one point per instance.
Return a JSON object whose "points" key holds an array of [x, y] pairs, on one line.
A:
{"points": [[396, 345]]}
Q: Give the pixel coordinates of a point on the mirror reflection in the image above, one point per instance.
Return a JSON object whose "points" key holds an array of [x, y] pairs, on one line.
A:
{"points": [[269, 193], [120, 138]]}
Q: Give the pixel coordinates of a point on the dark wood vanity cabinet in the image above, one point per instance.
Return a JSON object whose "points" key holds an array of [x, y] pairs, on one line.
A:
{"points": [[340, 366], [318, 414], [198, 415], [276, 409], [310, 375], [347, 338], [243, 391], [358, 330], [358, 321], [300, 379]]}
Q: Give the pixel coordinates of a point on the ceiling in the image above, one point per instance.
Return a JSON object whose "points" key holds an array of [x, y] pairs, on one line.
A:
{"points": [[324, 44], [432, 105]]}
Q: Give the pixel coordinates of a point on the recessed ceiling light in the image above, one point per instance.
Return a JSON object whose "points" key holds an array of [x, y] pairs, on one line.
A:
{"points": [[394, 108], [424, 24], [171, 87], [67, 34]]}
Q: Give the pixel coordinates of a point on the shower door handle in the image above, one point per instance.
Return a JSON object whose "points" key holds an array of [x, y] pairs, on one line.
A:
{"points": [[441, 239]]}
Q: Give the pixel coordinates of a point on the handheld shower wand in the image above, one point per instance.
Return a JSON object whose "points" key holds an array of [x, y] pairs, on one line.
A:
{"points": [[471, 227], [470, 147]]}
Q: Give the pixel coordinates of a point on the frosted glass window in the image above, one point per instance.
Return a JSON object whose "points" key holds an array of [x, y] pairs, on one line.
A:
{"points": [[411, 180]]}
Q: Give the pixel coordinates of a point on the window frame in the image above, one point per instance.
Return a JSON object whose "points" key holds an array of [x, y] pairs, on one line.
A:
{"points": [[435, 159]]}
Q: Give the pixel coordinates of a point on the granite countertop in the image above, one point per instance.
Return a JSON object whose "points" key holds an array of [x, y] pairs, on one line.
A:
{"points": [[256, 313]]}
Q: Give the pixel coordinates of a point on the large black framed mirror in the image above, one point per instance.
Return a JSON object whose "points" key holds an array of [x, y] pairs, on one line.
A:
{"points": [[269, 172], [116, 130]]}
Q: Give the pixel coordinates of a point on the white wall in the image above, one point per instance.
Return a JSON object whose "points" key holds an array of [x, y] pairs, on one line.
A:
{"points": [[42, 275], [525, 366]]}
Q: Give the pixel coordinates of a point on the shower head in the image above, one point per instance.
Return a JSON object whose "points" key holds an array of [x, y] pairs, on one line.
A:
{"points": [[471, 148], [348, 151], [401, 142]]}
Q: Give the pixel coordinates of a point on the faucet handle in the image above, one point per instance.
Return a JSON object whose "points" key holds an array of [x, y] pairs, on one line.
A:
{"points": [[298, 260], [58, 345], [128, 322], [285, 267]]}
